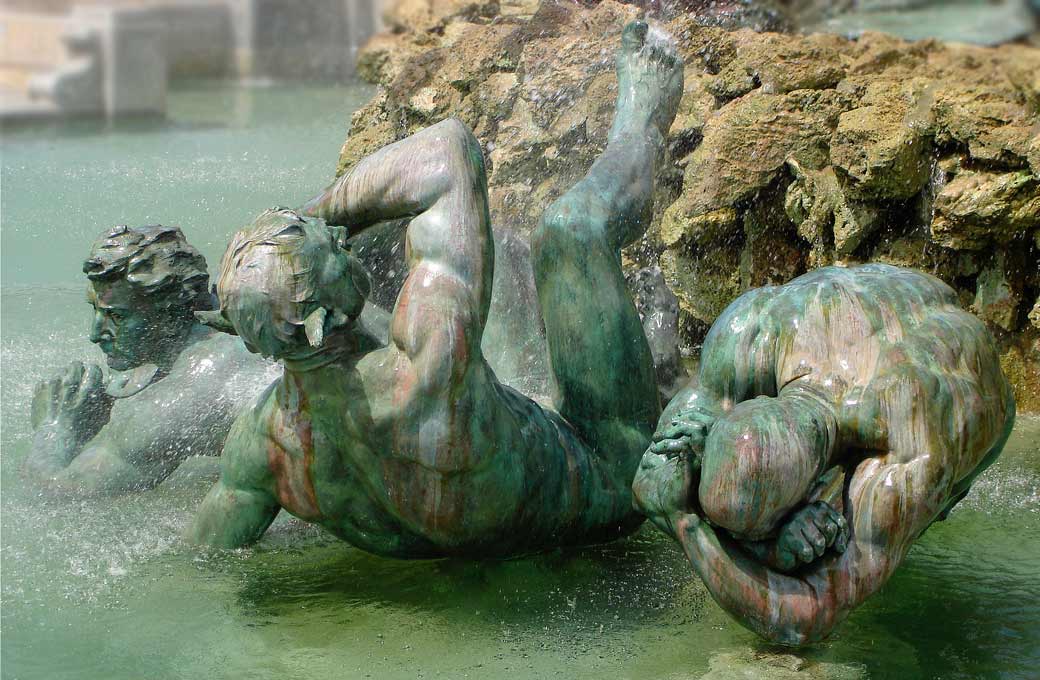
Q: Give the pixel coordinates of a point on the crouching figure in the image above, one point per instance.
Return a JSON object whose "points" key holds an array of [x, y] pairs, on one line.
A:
{"points": [[835, 418]]}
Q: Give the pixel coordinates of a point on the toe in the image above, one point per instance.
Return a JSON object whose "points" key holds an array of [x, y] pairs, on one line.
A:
{"points": [[814, 538], [634, 35]]}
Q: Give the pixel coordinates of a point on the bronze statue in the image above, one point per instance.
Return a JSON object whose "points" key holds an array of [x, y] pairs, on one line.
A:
{"points": [[417, 449], [175, 387], [834, 419]]}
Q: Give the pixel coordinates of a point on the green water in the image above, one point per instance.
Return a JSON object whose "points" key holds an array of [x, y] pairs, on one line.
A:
{"points": [[103, 589]]}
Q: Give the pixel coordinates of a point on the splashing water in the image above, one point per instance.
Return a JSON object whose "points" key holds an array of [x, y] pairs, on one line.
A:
{"points": [[104, 589]]}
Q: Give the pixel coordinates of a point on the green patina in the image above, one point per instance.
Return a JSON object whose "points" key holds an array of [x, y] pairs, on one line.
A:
{"points": [[416, 449], [175, 385], [834, 419]]}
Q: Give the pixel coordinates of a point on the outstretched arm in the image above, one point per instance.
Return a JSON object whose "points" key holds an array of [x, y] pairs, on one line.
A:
{"points": [[144, 440]]}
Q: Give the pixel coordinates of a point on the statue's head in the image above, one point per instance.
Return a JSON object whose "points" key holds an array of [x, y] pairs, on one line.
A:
{"points": [[289, 286], [145, 284]]}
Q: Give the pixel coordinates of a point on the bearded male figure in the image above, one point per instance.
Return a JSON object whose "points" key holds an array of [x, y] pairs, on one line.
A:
{"points": [[835, 418], [176, 387], [417, 449]]}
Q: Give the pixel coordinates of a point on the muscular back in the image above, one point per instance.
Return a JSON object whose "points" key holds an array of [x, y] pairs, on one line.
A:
{"points": [[864, 336]]}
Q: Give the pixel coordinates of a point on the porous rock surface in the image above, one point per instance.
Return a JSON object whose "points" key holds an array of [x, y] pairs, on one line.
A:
{"points": [[789, 152]]}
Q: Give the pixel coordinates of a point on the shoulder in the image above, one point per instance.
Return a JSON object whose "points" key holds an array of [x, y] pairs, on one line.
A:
{"points": [[220, 363], [244, 456]]}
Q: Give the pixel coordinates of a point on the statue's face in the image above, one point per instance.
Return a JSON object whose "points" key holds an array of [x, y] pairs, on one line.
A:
{"points": [[130, 330]]}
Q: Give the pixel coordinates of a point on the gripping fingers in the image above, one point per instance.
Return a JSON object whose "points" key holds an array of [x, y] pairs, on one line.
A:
{"points": [[829, 522], [693, 425], [90, 385], [841, 540], [70, 383], [693, 433], [795, 549], [671, 447], [41, 410], [809, 533], [54, 394], [827, 527], [814, 537]]}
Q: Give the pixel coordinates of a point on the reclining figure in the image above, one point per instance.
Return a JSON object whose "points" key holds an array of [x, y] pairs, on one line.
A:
{"points": [[835, 418], [416, 449]]}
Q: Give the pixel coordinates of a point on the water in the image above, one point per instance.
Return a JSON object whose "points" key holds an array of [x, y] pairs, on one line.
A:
{"points": [[103, 589]]}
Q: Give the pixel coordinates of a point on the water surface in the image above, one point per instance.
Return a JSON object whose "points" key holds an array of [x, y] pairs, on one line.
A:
{"points": [[104, 589]]}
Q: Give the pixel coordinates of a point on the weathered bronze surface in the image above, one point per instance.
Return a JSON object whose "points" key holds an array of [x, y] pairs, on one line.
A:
{"points": [[175, 387], [416, 449], [834, 419]]}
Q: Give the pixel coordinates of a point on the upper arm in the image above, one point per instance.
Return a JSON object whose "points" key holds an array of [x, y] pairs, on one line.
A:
{"points": [[441, 311], [244, 459], [435, 325]]}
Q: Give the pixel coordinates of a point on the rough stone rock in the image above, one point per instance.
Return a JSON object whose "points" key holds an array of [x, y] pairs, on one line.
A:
{"points": [[747, 664], [979, 209], [882, 147], [995, 300], [789, 152]]}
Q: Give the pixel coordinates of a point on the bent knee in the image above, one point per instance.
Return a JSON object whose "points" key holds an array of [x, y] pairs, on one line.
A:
{"points": [[755, 470], [566, 224]]}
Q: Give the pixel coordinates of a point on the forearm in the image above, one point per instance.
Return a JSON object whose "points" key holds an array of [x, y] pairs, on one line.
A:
{"points": [[95, 470], [784, 609], [401, 180]]}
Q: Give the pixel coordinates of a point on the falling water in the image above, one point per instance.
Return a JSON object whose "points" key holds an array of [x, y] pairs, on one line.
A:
{"points": [[103, 589]]}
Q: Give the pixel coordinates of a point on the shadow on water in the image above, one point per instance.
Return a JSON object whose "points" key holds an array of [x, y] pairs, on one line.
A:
{"points": [[105, 589], [628, 576]]}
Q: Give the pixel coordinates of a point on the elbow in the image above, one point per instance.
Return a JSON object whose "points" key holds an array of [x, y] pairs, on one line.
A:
{"points": [[797, 621]]}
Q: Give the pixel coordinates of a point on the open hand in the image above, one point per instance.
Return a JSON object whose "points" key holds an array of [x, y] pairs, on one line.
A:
{"points": [[75, 401]]}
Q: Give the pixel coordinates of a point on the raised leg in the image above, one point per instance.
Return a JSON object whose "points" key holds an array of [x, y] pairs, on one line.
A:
{"points": [[600, 357]]}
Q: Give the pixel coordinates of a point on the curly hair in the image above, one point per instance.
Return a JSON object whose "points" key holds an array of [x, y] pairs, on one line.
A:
{"points": [[282, 260], [155, 260]]}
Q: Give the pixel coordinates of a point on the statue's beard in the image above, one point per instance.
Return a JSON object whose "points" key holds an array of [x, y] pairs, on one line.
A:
{"points": [[118, 362]]}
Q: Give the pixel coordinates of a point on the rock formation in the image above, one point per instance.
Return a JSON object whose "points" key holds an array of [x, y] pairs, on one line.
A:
{"points": [[789, 153]]}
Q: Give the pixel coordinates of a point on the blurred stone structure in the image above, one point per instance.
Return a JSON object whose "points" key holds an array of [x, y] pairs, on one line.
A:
{"points": [[114, 57]]}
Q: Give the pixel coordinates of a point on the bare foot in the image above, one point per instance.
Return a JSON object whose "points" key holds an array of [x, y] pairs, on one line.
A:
{"points": [[650, 80], [809, 533]]}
